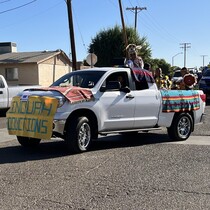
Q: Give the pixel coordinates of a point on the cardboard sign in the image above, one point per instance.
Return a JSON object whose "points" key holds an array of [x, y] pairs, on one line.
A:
{"points": [[32, 117]]}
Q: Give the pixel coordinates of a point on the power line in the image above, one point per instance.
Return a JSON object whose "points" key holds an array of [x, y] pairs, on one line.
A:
{"points": [[131, 3], [80, 32], [31, 17], [1, 2], [185, 46], [113, 3], [203, 58], [136, 11], [163, 31], [23, 5]]}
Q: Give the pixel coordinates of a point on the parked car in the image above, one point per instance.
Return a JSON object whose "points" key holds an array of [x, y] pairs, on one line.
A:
{"points": [[8, 92], [204, 83], [176, 76]]}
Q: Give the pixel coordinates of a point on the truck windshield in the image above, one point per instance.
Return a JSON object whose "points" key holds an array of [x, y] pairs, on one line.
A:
{"points": [[84, 79]]}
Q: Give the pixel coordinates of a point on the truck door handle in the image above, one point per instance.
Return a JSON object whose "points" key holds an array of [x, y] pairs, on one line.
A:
{"points": [[1, 92], [129, 96]]}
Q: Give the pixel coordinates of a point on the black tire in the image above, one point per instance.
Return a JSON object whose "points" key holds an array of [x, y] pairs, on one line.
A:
{"points": [[78, 135], [28, 142], [181, 127]]}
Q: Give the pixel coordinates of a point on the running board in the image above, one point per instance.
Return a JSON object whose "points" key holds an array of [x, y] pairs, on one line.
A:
{"points": [[133, 130]]}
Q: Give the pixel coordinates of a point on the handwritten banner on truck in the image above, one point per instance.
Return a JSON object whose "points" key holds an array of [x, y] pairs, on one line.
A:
{"points": [[32, 117]]}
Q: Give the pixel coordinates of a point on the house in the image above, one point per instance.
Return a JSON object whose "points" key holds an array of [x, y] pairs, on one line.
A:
{"points": [[32, 68]]}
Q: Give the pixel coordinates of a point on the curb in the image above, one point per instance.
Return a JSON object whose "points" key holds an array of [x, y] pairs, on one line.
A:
{"points": [[5, 136]]}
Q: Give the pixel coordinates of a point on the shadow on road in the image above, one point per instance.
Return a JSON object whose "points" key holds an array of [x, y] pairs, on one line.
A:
{"points": [[46, 150], [119, 141], [55, 149]]}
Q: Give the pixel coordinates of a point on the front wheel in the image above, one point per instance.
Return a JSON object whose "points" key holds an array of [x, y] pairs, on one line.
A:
{"points": [[78, 135], [181, 127], [28, 142]]}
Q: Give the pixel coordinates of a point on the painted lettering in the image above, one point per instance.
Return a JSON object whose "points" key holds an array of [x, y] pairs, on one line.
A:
{"points": [[35, 125], [44, 127], [48, 109]]}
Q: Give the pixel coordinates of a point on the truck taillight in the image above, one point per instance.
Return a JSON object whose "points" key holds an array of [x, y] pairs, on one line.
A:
{"points": [[203, 97]]}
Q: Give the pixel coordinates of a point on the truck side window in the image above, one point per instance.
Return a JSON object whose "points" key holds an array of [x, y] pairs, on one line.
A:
{"points": [[141, 78], [141, 85], [1, 83], [121, 77]]}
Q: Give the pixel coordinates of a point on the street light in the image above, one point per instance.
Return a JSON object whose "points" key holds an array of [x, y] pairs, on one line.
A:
{"points": [[174, 57]]}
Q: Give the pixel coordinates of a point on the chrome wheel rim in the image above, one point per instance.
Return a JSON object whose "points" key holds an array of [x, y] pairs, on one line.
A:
{"points": [[84, 136], [184, 127]]}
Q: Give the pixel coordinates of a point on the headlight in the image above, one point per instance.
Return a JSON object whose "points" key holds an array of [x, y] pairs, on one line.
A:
{"points": [[61, 100]]}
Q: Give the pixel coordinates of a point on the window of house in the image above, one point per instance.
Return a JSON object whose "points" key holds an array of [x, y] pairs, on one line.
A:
{"points": [[11, 74]]}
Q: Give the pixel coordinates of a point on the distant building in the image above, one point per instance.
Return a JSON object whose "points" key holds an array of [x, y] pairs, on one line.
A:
{"points": [[32, 68]]}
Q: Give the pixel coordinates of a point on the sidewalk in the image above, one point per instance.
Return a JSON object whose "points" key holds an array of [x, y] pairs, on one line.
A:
{"points": [[4, 136]]}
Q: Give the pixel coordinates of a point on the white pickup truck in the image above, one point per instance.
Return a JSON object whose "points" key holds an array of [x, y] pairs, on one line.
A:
{"points": [[83, 104], [8, 92]]}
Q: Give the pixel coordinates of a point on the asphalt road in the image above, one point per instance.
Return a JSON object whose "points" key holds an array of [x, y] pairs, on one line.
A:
{"points": [[143, 172]]}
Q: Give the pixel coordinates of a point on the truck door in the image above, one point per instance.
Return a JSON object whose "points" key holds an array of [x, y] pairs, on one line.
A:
{"points": [[147, 107], [3, 94], [117, 107]]}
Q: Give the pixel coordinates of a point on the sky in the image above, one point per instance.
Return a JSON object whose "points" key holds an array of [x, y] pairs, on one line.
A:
{"points": [[37, 25]]}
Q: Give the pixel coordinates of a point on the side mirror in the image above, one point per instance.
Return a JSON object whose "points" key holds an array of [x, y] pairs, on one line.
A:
{"points": [[125, 89]]}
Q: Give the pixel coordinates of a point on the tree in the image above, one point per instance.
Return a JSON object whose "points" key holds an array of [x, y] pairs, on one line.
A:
{"points": [[161, 63], [108, 44]]}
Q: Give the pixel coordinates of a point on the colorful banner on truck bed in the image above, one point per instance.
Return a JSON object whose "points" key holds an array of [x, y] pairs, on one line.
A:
{"points": [[32, 117], [180, 100]]}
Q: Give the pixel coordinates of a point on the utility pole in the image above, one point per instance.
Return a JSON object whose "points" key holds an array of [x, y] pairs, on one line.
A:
{"points": [[136, 10], [123, 24], [71, 33], [185, 46], [203, 58]]}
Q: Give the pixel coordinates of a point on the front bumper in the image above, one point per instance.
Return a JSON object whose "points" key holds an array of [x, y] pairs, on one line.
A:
{"points": [[58, 126]]}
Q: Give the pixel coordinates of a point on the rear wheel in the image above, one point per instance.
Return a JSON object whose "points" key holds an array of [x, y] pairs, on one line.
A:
{"points": [[28, 142], [78, 135], [181, 127]]}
